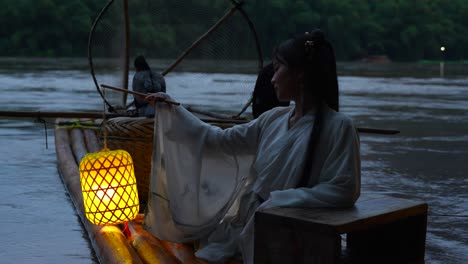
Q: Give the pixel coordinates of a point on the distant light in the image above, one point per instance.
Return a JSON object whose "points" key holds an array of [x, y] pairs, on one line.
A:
{"points": [[442, 48]]}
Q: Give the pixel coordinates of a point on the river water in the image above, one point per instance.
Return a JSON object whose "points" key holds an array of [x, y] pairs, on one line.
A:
{"points": [[428, 160]]}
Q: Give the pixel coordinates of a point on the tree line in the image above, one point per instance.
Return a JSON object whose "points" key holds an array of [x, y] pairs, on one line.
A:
{"points": [[403, 30]]}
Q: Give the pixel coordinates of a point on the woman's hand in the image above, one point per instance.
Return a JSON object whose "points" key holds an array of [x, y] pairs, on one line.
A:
{"points": [[155, 97]]}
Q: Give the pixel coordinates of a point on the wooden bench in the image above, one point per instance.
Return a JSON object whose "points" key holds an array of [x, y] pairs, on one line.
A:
{"points": [[378, 229]]}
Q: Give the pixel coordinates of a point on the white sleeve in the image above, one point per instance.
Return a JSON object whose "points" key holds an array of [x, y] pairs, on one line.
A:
{"points": [[185, 128], [339, 182], [197, 171]]}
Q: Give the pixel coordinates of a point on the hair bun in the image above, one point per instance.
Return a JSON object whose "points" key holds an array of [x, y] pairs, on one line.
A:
{"points": [[312, 41], [317, 35]]}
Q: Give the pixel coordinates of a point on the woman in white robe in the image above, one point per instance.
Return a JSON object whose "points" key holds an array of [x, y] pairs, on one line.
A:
{"points": [[207, 182]]}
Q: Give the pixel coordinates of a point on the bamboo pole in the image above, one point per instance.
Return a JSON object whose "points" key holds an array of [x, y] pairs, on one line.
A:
{"points": [[40, 114], [94, 115], [149, 248], [133, 92], [199, 40], [97, 115], [126, 59]]}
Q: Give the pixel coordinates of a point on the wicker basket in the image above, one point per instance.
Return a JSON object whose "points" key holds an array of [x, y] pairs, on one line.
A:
{"points": [[135, 135]]}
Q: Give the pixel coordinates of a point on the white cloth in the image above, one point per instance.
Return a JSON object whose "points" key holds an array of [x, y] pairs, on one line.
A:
{"points": [[206, 182]]}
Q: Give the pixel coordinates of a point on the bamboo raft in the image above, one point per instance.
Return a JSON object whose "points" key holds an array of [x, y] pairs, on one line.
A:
{"points": [[110, 243], [113, 244]]}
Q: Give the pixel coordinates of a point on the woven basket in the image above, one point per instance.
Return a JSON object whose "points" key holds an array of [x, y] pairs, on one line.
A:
{"points": [[135, 135]]}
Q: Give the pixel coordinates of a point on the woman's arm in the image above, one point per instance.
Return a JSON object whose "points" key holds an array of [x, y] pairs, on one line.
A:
{"points": [[181, 125]]}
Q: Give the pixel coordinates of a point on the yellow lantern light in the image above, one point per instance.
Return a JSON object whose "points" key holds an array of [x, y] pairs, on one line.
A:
{"points": [[109, 187]]}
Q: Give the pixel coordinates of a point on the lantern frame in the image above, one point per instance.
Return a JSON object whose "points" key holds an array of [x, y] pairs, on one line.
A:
{"points": [[109, 187]]}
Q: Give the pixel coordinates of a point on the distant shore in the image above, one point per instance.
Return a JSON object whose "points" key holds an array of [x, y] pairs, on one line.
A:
{"points": [[424, 68]]}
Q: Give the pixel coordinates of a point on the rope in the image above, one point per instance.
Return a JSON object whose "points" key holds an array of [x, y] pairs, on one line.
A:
{"points": [[77, 124], [40, 120], [72, 125], [104, 122]]}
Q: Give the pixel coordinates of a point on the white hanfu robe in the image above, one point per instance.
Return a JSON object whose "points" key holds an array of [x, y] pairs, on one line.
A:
{"points": [[207, 182]]}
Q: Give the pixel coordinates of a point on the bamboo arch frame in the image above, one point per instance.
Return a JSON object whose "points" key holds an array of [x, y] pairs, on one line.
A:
{"points": [[237, 6]]}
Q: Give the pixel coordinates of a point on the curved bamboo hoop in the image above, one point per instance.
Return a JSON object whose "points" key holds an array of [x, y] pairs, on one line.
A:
{"points": [[237, 6]]}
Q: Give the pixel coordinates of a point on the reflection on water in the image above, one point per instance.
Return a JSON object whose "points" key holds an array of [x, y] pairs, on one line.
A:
{"points": [[427, 160], [38, 223]]}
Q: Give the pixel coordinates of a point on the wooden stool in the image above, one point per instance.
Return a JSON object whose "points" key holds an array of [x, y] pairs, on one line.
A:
{"points": [[379, 229]]}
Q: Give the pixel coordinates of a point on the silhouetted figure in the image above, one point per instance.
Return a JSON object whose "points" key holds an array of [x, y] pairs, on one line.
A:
{"points": [[264, 96]]}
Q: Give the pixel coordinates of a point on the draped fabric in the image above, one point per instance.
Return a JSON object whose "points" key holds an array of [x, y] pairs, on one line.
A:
{"points": [[207, 182]]}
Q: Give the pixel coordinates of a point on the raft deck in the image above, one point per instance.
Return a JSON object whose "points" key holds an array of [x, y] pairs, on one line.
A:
{"points": [[110, 243]]}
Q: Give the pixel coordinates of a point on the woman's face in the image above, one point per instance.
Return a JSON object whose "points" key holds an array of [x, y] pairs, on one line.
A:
{"points": [[285, 81]]}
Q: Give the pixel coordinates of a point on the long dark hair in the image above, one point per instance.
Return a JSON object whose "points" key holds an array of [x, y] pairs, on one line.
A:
{"points": [[312, 53]]}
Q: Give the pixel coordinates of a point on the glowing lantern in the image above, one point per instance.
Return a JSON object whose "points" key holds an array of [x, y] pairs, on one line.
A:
{"points": [[109, 187]]}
